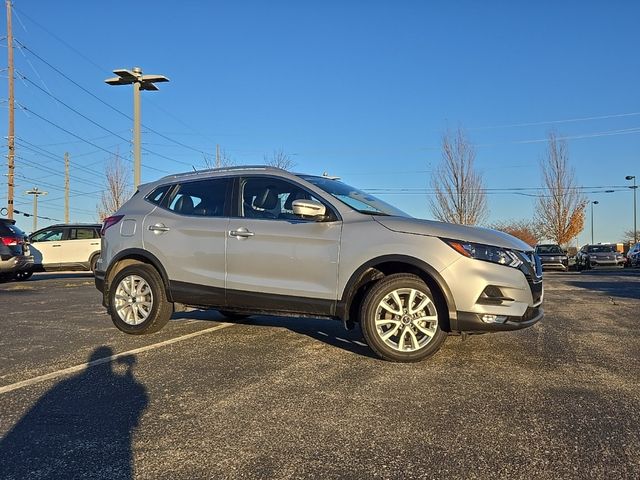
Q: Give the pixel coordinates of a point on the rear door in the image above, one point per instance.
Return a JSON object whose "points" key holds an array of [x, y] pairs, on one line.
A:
{"points": [[83, 242], [187, 233], [276, 260]]}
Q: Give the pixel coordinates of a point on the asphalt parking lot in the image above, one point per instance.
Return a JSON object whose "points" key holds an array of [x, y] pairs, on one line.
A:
{"points": [[299, 398]]}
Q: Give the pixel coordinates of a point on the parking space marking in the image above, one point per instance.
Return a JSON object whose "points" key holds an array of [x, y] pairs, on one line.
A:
{"points": [[82, 366]]}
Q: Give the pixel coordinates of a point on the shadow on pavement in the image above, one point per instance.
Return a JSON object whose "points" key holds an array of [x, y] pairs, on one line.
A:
{"points": [[620, 284], [331, 332], [81, 428], [58, 275]]}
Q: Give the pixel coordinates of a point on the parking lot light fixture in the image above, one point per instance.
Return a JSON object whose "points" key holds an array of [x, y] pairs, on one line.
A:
{"points": [[140, 82], [595, 202], [634, 187]]}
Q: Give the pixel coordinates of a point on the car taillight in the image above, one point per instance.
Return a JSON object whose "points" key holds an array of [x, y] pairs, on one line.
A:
{"points": [[109, 222], [11, 241]]}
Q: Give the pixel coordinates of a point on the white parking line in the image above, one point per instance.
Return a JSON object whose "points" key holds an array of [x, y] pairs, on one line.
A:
{"points": [[82, 366]]}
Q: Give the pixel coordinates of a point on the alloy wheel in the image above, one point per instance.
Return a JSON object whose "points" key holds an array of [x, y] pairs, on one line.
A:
{"points": [[133, 300], [406, 319]]}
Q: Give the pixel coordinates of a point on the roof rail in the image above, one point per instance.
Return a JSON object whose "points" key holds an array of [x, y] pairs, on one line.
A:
{"points": [[225, 169]]}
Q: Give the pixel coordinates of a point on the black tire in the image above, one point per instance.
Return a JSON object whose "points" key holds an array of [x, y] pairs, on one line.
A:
{"points": [[233, 315], [92, 262], [372, 333], [161, 308], [23, 275]]}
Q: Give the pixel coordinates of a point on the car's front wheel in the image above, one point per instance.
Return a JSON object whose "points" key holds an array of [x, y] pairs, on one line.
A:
{"points": [[400, 319], [137, 300]]}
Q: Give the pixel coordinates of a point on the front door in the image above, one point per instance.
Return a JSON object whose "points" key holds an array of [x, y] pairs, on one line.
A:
{"points": [[276, 260]]}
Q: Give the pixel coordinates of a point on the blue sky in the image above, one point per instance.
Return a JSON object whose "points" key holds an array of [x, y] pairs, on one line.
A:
{"points": [[360, 89]]}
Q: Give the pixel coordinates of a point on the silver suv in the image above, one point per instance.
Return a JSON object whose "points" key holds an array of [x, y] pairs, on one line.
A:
{"points": [[260, 240]]}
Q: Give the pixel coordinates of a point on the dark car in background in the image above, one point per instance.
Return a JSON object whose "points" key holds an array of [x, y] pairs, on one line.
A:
{"points": [[16, 261], [633, 256], [552, 256], [599, 255]]}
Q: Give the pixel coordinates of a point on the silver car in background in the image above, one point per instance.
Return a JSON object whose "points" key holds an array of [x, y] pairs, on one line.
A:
{"points": [[260, 240]]}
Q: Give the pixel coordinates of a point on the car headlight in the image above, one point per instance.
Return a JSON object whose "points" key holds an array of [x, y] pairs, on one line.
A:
{"points": [[488, 253]]}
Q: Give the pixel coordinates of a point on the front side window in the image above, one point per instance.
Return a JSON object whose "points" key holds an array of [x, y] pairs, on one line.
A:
{"points": [[271, 198], [205, 198], [50, 235]]}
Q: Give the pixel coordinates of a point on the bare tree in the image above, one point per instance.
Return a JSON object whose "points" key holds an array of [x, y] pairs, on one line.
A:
{"points": [[459, 195], [223, 160], [629, 238], [525, 230], [279, 159], [117, 188], [560, 210]]}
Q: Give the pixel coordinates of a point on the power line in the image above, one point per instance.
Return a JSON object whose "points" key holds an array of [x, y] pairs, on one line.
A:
{"points": [[81, 138], [184, 145], [550, 122], [98, 124]]}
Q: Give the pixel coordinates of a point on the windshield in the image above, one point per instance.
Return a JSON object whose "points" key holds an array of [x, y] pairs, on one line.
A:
{"points": [[600, 249], [544, 249], [356, 199]]}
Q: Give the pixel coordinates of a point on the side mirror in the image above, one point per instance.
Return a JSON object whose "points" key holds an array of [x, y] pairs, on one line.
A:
{"points": [[308, 208]]}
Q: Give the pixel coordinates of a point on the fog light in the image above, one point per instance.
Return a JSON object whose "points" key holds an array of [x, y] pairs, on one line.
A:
{"points": [[493, 318]]}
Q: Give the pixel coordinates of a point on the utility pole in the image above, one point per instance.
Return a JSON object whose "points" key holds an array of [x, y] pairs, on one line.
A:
{"points": [[66, 187], [595, 202], [217, 155], [36, 193], [11, 133]]}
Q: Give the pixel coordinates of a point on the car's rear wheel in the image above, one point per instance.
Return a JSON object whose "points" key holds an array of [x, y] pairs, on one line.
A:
{"points": [[400, 319], [137, 300], [23, 275]]}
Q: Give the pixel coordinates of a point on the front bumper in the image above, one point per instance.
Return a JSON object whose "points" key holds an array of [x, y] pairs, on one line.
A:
{"points": [[472, 322], [490, 297]]}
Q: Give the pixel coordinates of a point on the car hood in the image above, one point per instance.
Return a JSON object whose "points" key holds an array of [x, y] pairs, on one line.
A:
{"points": [[603, 254], [452, 231], [543, 255]]}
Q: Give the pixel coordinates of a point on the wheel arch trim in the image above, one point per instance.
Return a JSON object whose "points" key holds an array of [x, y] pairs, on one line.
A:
{"points": [[353, 283], [133, 253]]}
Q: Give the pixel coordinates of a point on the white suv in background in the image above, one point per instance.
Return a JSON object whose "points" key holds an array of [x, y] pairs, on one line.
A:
{"points": [[66, 247]]}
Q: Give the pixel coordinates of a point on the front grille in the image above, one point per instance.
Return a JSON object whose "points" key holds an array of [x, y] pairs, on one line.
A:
{"points": [[532, 270]]}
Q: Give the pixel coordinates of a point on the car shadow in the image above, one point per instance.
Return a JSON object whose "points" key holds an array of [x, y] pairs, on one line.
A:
{"points": [[38, 277], [614, 283], [331, 332], [80, 428]]}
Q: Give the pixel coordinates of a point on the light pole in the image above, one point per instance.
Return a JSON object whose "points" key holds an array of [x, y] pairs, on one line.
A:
{"points": [[634, 187], [36, 193], [595, 202], [140, 82]]}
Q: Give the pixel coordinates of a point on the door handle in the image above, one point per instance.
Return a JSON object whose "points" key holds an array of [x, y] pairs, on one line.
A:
{"points": [[56, 245], [158, 228], [241, 232]]}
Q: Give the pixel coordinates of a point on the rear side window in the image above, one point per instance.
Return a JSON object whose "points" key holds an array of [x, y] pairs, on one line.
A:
{"points": [[82, 233], [205, 198], [8, 229], [158, 194]]}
